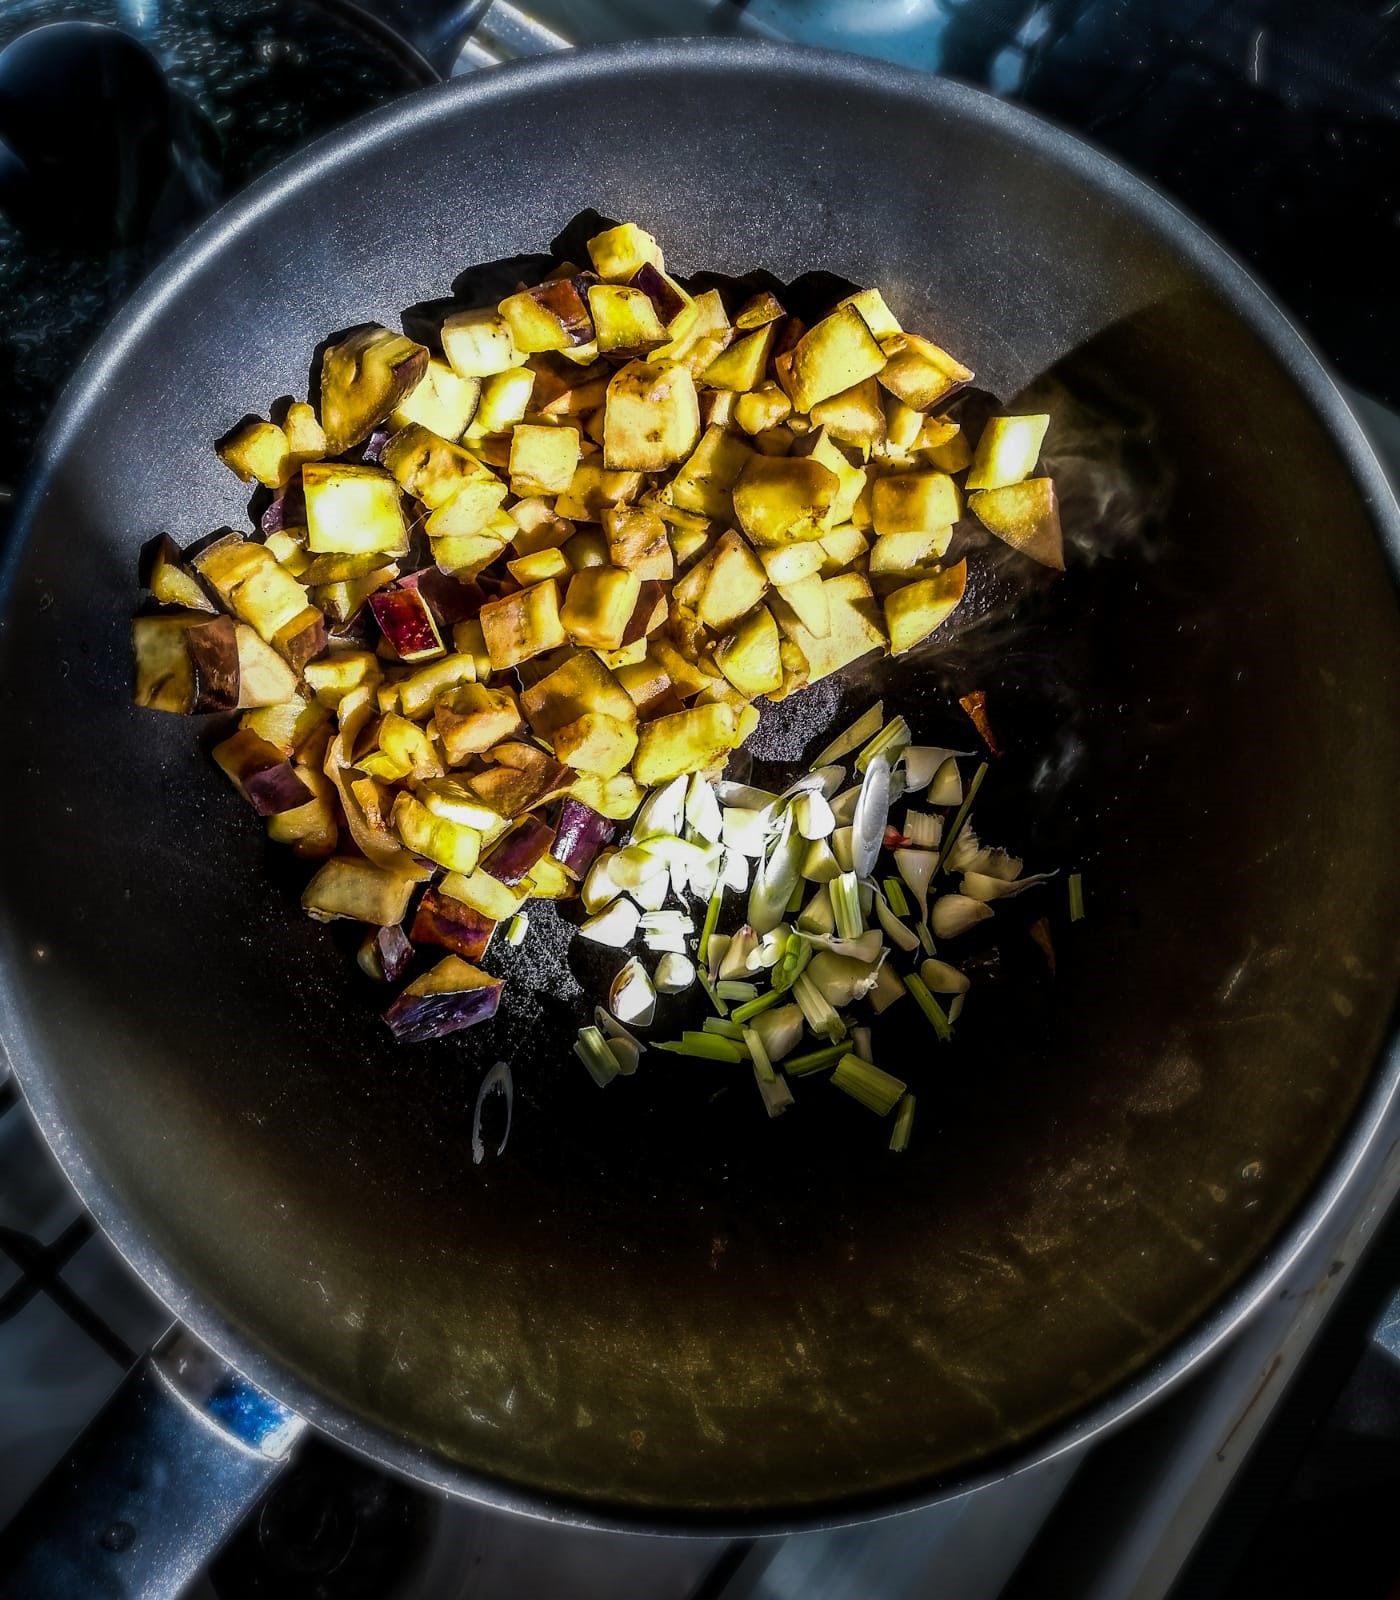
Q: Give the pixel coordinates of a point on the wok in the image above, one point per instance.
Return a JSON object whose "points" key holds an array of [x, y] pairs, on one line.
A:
{"points": [[656, 1309]]}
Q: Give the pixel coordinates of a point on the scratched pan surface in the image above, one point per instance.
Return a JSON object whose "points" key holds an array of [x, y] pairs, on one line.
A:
{"points": [[657, 1308]]}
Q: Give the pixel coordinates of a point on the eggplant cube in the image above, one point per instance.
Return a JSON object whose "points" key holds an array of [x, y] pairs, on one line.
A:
{"points": [[472, 718], [444, 401], [595, 743], [301, 638], [522, 625], [734, 582], [881, 321], [637, 541], [258, 452], [1007, 451], [855, 416], [288, 724], [705, 483], [164, 672], [452, 996], [593, 489], [913, 612], [443, 921], [651, 418], [919, 373], [505, 398], [478, 344], [261, 773], [895, 553], [358, 890], [363, 378], [777, 499], [213, 651], [553, 315], [331, 679], [807, 597], [438, 839], [762, 408], [616, 798], [1027, 517], [742, 365], [853, 627], [406, 621], [306, 438], [915, 502], [619, 253], [833, 355], [516, 852], [311, 830], [165, 575], [543, 460], [352, 509], [625, 320], [687, 741], [428, 466], [791, 563], [471, 510], [251, 583], [581, 684], [749, 657], [598, 606]]}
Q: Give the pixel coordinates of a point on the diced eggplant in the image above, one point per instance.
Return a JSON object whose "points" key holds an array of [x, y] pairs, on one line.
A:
{"points": [[617, 797], [705, 483], [649, 613], [807, 597], [580, 684], [730, 581], [598, 606], [257, 452], [444, 401], [619, 253], [522, 625], [437, 839], [543, 460], [512, 790], [749, 657], [741, 366], [451, 924], [593, 489], [579, 835], [596, 743], [169, 581], [311, 829], [261, 773], [288, 723], [698, 333], [784, 499], [286, 511], [854, 627], [486, 895], [758, 311], [833, 355], [763, 408], [352, 509], [301, 638], [164, 669], [1027, 517], [406, 621], [652, 417], [255, 587], [306, 438], [420, 689], [451, 600], [547, 880], [432, 468], [385, 954], [454, 995], [409, 748], [670, 301], [213, 648], [505, 398], [919, 372], [553, 315], [478, 344], [510, 859], [333, 677], [689, 741], [363, 378], [913, 612], [625, 319], [473, 718], [914, 502]]}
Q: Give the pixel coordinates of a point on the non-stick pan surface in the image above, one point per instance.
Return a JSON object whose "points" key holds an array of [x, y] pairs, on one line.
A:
{"points": [[657, 1307]]}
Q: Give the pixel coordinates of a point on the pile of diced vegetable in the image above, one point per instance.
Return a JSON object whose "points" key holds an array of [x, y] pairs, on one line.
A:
{"points": [[509, 594]]}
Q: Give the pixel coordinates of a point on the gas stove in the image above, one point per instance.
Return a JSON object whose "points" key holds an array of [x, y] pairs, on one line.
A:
{"points": [[1272, 121]]}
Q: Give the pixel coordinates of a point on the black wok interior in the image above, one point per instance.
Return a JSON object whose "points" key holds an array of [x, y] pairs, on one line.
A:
{"points": [[657, 1304]]}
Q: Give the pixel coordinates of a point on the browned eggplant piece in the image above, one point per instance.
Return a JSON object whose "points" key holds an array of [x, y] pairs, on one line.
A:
{"points": [[302, 638], [453, 925], [552, 316], [509, 860], [258, 451], [578, 837], [385, 954], [650, 611], [453, 995], [522, 779], [363, 378], [406, 621], [663, 294], [451, 600], [165, 671], [213, 648], [261, 773], [473, 718], [168, 579]]}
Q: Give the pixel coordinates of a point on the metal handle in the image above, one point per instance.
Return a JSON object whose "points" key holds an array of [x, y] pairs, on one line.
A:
{"points": [[157, 1481]]}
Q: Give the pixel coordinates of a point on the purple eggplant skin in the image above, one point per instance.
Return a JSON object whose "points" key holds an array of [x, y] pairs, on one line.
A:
{"points": [[511, 858], [271, 790], [213, 652], [394, 951], [456, 927], [406, 622], [662, 295], [578, 837], [286, 509], [415, 1018], [373, 449], [450, 600]]}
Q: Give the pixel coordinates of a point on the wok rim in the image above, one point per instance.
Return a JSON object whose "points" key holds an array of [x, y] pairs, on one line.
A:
{"points": [[1129, 194]]}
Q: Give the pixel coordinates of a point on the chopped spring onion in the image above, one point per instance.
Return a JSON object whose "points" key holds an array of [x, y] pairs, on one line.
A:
{"points": [[953, 914], [598, 887], [516, 929], [735, 961], [794, 905], [778, 873], [1076, 897], [745, 831], [768, 952], [707, 928], [959, 822], [868, 947], [872, 813], [707, 1046], [637, 863], [830, 779], [946, 788], [878, 1090], [712, 994], [938, 1018], [814, 1060], [799, 954], [995, 864], [903, 1124], [631, 998], [967, 853], [894, 893], [955, 1009], [628, 1054], [843, 807], [752, 1008], [780, 1030], [862, 1045], [840, 980], [702, 812], [666, 942], [819, 865], [843, 848], [616, 926], [821, 1016], [926, 939], [596, 1054], [923, 762], [982, 886], [762, 1066], [897, 932], [671, 921], [612, 1030], [845, 906], [889, 986], [654, 892], [943, 979], [891, 742], [662, 811], [736, 872], [813, 815], [922, 829], [729, 989], [725, 1027], [865, 727], [917, 867], [817, 916], [674, 973], [777, 1095]]}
